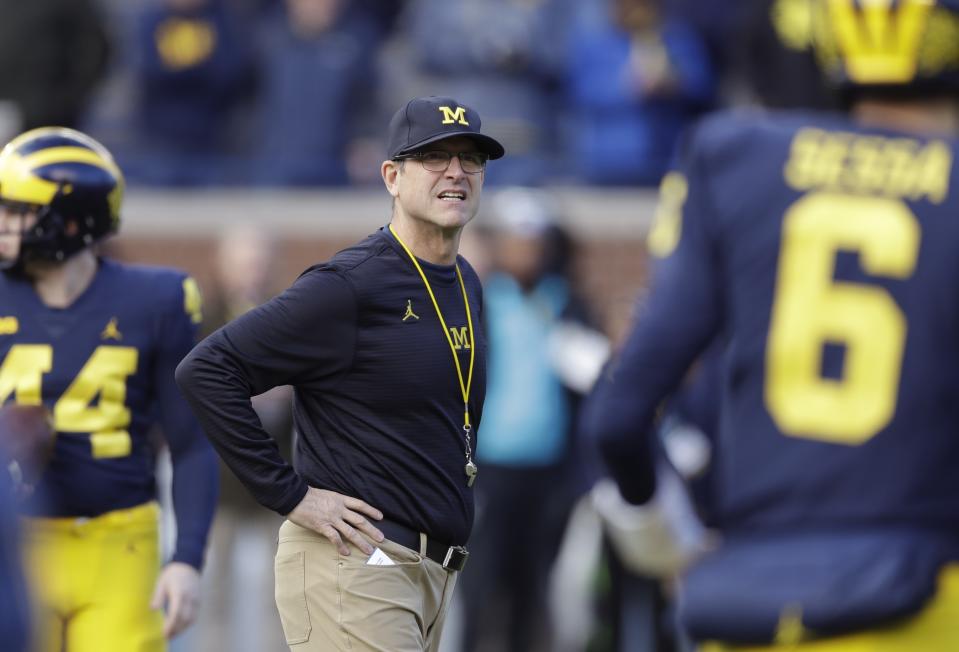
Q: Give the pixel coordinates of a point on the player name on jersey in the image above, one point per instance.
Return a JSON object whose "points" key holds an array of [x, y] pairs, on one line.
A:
{"points": [[869, 164]]}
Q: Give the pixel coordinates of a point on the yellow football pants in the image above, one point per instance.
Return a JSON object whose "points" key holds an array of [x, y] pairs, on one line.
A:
{"points": [[92, 579], [934, 629]]}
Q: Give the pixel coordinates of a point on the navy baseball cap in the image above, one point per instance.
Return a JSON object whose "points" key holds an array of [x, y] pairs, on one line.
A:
{"points": [[425, 120]]}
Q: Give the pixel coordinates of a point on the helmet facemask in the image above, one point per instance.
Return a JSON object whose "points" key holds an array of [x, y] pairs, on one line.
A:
{"points": [[72, 185]]}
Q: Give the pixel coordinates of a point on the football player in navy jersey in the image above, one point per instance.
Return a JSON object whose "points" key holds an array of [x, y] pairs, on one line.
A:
{"points": [[97, 343], [823, 249]]}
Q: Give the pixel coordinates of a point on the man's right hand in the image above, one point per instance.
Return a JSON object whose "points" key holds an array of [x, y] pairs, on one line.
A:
{"points": [[338, 517]]}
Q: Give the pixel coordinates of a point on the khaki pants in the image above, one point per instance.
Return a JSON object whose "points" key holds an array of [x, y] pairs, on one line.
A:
{"points": [[331, 602]]}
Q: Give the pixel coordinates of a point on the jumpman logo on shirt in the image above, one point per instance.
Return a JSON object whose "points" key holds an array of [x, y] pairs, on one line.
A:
{"points": [[111, 332], [409, 311]]}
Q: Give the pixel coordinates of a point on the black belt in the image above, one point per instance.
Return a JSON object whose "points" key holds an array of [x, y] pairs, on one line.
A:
{"points": [[451, 558]]}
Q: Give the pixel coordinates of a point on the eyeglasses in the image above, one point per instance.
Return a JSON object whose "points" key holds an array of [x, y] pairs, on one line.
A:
{"points": [[439, 160]]}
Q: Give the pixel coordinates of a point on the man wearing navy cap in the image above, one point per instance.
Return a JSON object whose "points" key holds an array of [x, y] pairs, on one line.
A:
{"points": [[384, 347]]}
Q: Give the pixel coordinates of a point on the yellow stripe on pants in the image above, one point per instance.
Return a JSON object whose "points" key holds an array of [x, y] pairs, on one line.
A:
{"points": [[934, 629]]}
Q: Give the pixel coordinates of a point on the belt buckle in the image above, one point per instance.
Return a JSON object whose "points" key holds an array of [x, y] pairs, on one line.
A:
{"points": [[455, 559]]}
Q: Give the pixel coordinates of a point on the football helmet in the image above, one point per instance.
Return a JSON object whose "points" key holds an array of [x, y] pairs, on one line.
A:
{"points": [[70, 181], [905, 48]]}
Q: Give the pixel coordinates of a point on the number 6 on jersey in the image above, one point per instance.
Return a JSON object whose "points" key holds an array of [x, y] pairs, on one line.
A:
{"points": [[812, 309]]}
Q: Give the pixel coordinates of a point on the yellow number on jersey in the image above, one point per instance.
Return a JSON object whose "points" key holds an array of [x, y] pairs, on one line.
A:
{"points": [[21, 373], [811, 309], [79, 410], [105, 374], [668, 220]]}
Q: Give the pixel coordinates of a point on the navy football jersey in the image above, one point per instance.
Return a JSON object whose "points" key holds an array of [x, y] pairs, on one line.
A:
{"points": [[826, 254], [104, 368]]}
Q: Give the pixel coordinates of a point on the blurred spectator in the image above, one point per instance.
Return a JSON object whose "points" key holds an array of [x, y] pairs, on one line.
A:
{"points": [[476, 246], [386, 12], [193, 70], [240, 614], [245, 270], [525, 446], [714, 21], [636, 78], [245, 277], [504, 57], [52, 55], [316, 67]]}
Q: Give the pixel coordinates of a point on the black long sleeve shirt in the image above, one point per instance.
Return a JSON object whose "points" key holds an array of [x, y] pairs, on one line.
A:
{"points": [[377, 404]]}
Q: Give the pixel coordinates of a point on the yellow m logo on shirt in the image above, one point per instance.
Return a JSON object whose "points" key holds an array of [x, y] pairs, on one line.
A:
{"points": [[461, 338], [450, 115], [879, 40]]}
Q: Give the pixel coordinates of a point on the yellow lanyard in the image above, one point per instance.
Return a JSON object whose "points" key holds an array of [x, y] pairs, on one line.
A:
{"points": [[464, 386]]}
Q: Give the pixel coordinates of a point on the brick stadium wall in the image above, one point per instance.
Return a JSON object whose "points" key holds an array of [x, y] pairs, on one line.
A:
{"points": [[182, 231]]}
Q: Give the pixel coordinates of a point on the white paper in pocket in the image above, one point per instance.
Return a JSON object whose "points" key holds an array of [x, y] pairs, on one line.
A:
{"points": [[380, 558]]}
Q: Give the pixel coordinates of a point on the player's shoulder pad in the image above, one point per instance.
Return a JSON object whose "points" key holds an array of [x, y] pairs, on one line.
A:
{"points": [[719, 132], [722, 135], [164, 287], [145, 276]]}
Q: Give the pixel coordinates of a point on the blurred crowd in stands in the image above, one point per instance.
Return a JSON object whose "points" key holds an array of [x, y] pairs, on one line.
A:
{"points": [[295, 92]]}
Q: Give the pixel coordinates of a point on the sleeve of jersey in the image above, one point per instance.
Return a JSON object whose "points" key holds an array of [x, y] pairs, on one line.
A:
{"points": [[303, 337], [673, 327], [194, 463]]}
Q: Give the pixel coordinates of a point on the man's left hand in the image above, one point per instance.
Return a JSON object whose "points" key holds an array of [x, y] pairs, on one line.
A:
{"points": [[178, 591]]}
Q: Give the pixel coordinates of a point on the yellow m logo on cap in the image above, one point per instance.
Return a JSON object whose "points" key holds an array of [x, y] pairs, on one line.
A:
{"points": [[450, 115], [879, 40]]}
